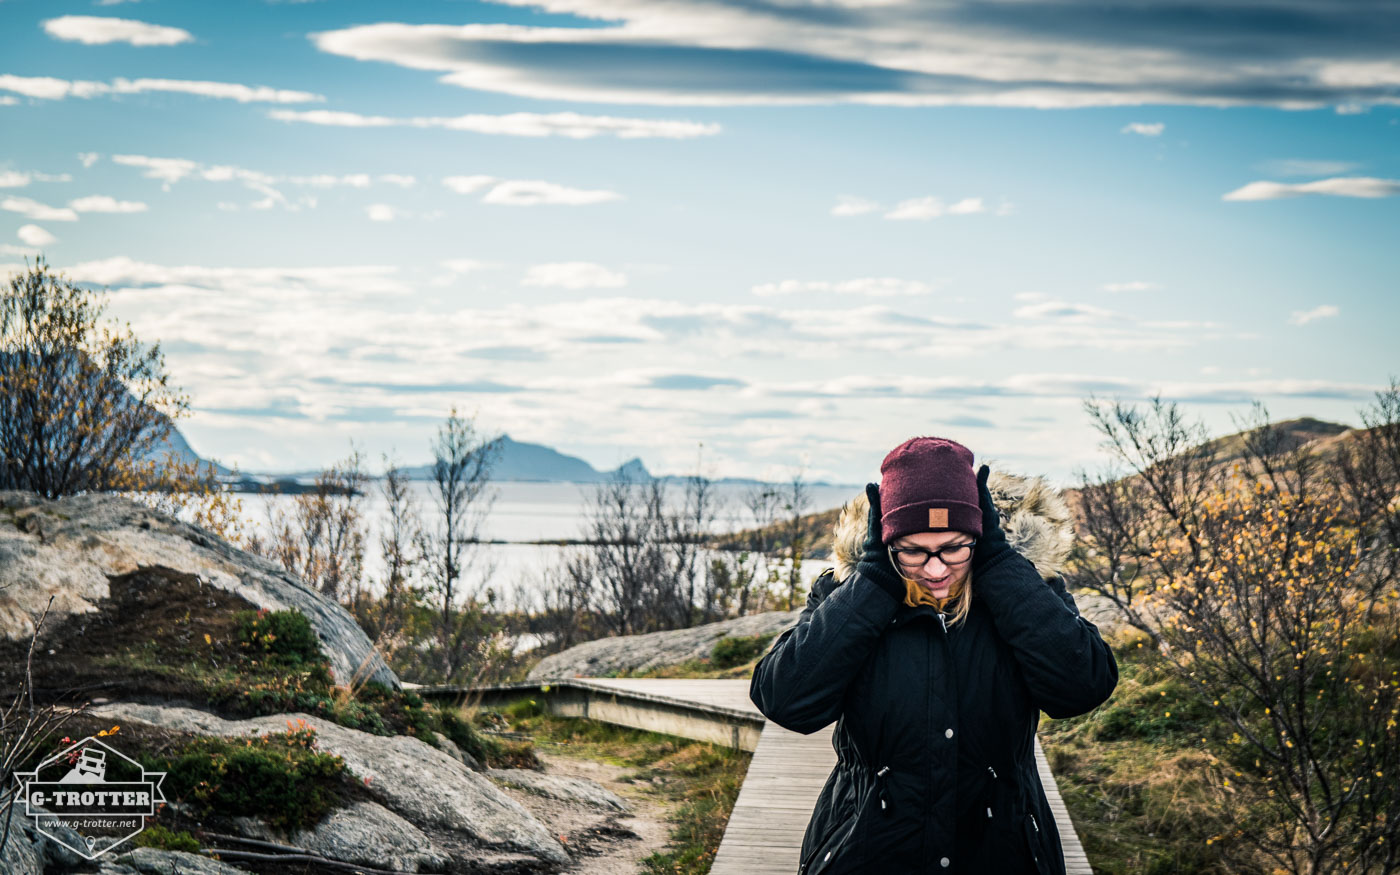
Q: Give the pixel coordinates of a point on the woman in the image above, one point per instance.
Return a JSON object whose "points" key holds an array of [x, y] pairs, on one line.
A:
{"points": [[935, 652]]}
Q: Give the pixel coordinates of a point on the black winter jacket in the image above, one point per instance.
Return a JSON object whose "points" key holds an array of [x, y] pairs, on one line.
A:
{"points": [[934, 730]]}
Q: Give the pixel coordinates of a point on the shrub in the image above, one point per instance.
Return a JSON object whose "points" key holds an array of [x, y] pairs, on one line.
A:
{"points": [[280, 777], [157, 836], [729, 652], [284, 636]]}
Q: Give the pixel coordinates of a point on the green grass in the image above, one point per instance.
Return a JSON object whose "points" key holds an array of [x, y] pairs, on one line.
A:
{"points": [[700, 780], [1137, 778]]}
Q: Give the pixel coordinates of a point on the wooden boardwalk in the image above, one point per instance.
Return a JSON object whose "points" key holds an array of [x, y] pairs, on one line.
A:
{"points": [[787, 772]]}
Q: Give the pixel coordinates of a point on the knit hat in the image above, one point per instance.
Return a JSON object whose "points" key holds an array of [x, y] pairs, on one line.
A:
{"points": [[927, 485]]}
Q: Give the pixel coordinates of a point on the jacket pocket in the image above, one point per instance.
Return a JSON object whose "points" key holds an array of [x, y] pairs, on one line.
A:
{"points": [[828, 852]]}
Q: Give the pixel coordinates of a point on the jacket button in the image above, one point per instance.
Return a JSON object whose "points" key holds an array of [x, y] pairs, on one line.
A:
{"points": [[948, 733], [945, 862]]}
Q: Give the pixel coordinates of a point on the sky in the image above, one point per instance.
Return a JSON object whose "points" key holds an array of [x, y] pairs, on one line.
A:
{"points": [[754, 236]]}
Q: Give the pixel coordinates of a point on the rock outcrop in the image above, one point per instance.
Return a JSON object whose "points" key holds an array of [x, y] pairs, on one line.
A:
{"points": [[72, 547], [608, 656], [151, 861], [372, 835], [459, 810], [562, 787]]}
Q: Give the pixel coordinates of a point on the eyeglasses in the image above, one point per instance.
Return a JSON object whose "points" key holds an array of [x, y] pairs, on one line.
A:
{"points": [[917, 557]]}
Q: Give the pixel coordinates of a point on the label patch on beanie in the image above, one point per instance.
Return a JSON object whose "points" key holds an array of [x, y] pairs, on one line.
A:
{"points": [[938, 518]]}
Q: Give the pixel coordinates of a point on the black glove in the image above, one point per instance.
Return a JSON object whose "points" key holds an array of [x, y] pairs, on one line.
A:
{"points": [[992, 542], [874, 564]]}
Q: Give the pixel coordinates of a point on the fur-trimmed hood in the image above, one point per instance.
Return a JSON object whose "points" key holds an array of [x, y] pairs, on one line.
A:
{"points": [[1034, 515]]}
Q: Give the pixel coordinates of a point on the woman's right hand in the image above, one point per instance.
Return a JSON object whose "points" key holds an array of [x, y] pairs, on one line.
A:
{"points": [[874, 562]]}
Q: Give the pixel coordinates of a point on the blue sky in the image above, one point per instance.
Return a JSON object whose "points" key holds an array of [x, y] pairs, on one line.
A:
{"points": [[795, 233]]}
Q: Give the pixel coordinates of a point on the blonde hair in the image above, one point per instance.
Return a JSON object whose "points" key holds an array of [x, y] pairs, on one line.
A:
{"points": [[956, 607]]}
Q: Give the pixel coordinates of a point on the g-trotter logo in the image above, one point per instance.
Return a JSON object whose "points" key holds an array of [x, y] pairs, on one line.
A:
{"points": [[90, 797]]}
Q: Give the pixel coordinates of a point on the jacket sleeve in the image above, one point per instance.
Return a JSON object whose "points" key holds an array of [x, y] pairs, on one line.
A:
{"points": [[800, 683], [1068, 667]]}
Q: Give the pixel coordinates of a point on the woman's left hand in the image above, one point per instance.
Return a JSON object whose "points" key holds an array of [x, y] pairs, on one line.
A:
{"points": [[992, 541]]}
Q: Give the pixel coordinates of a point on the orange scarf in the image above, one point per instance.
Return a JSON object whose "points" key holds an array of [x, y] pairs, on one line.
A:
{"points": [[916, 594]]}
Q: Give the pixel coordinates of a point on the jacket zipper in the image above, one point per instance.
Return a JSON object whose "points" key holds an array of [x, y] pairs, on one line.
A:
{"points": [[1034, 841], [994, 776], [928, 719]]}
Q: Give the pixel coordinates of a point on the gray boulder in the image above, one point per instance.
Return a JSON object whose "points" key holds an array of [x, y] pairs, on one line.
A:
{"points": [[69, 548], [371, 834], [427, 787], [562, 787], [55, 854], [20, 856], [152, 861], [449, 747], [609, 656]]}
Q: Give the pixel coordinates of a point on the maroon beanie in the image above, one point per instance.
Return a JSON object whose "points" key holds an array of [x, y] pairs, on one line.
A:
{"points": [[927, 485]]}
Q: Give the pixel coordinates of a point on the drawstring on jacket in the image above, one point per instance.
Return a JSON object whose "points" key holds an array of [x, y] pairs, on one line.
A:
{"points": [[880, 789]]}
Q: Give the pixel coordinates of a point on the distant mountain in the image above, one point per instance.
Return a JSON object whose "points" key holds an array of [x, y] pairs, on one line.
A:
{"points": [[519, 460], [1293, 433], [175, 442]]}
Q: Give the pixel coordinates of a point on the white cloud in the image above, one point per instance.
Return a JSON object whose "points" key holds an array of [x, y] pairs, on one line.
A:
{"points": [[1144, 129], [848, 205], [32, 209], [516, 124], [33, 235], [533, 192], [923, 208], [168, 170], [1076, 386], [1306, 167], [23, 251], [19, 179], [526, 192], [101, 203], [1130, 286], [356, 279], [955, 53], [1339, 186], [8, 100], [173, 170], [382, 213], [87, 159], [468, 184], [95, 30], [1063, 311], [868, 286], [574, 275], [1303, 317], [375, 366], [49, 88]]}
